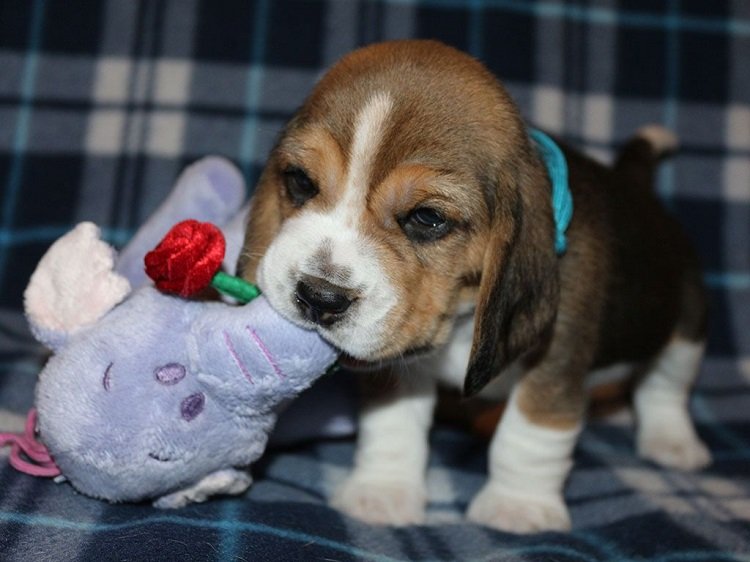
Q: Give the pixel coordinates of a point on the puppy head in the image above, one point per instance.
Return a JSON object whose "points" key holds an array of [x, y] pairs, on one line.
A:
{"points": [[403, 186]]}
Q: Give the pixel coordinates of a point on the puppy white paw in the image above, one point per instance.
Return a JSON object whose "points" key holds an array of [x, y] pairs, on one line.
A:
{"points": [[681, 451], [521, 514], [382, 502]]}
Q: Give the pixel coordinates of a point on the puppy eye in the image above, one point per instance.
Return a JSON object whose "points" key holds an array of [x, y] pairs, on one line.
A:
{"points": [[425, 224], [299, 187]]}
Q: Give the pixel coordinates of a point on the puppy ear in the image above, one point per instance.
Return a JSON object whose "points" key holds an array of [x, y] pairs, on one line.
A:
{"points": [[263, 222], [519, 288]]}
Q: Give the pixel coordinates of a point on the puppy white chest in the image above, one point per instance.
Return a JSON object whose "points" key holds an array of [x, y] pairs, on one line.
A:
{"points": [[448, 365]]}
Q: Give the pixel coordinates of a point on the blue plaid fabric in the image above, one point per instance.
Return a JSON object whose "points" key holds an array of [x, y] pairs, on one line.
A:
{"points": [[102, 103]]}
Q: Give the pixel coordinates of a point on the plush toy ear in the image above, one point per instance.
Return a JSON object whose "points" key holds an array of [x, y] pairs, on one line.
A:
{"points": [[73, 286], [210, 190]]}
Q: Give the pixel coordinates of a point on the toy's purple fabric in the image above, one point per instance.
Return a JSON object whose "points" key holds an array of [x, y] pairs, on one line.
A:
{"points": [[210, 190], [149, 396], [165, 397]]}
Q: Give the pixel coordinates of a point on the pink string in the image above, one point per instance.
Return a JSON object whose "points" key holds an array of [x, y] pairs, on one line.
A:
{"points": [[41, 462]]}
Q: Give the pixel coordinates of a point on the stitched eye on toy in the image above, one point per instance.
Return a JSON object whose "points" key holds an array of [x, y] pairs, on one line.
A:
{"points": [[160, 457], [107, 378], [424, 224], [299, 187], [192, 406], [170, 374]]}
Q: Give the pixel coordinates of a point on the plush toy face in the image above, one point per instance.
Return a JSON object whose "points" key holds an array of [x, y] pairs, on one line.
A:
{"points": [[159, 393], [162, 392], [123, 416]]}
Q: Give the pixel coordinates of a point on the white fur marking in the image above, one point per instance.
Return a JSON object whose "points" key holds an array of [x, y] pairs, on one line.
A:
{"points": [[368, 133], [292, 253], [449, 363], [660, 138], [665, 431], [387, 485], [289, 257], [528, 468]]}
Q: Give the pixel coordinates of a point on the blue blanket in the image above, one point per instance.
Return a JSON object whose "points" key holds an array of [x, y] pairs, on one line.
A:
{"points": [[101, 105]]}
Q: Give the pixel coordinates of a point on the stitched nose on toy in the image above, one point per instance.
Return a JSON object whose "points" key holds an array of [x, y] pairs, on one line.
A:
{"points": [[322, 302]]}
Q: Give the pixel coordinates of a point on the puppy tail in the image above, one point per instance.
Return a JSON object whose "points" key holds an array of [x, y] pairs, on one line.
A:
{"points": [[641, 155]]}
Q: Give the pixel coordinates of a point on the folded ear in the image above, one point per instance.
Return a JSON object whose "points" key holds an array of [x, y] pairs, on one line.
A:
{"points": [[519, 288], [73, 286]]}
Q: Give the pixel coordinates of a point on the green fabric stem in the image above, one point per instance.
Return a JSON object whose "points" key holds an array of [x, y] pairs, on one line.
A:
{"points": [[235, 287]]}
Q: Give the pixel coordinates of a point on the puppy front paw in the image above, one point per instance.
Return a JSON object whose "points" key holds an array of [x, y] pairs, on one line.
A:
{"points": [[518, 513], [382, 502], [683, 451]]}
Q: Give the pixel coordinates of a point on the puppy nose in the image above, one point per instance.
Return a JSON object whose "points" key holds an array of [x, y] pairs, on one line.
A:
{"points": [[320, 301]]}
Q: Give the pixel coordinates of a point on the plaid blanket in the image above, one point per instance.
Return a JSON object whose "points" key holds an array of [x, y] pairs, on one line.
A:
{"points": [[101, 105]]}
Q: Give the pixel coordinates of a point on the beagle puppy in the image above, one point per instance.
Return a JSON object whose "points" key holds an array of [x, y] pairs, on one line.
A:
{"points": [[407, 216]]}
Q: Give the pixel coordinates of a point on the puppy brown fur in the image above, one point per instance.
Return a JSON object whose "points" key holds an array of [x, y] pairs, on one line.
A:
{"points": [[435, 139], [450, 139]]}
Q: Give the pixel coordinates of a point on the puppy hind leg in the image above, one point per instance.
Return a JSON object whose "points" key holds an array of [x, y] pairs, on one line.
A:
{"points": [[529, 461], [665, 432], [387, 484]]}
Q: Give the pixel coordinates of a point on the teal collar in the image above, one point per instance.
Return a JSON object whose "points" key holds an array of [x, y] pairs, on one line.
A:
{"points": [[562, 200]]}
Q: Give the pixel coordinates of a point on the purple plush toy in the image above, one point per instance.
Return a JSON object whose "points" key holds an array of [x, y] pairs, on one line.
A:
{"points": [[151, 396]]}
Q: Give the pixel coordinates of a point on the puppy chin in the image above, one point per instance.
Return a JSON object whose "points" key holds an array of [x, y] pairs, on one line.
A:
{"points": [[380, 362], [359, 350], [358, 365]]}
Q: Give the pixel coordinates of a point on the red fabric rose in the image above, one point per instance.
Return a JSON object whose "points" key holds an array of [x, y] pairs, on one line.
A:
{"points": [[187, 258]]}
